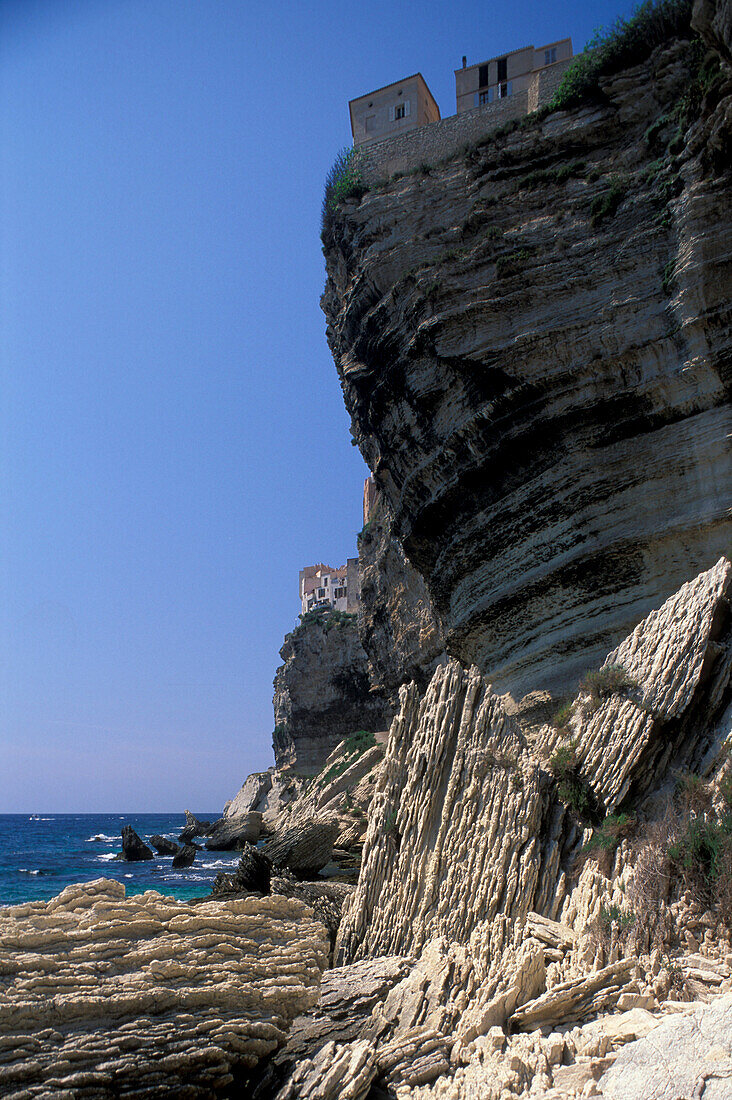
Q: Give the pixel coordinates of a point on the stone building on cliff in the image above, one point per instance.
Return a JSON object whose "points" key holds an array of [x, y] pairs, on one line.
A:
{"points": [[501, 77], [322, 586], [524, 76]]}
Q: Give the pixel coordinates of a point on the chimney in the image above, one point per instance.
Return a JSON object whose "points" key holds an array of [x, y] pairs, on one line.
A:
{"points": [[465, 62]]}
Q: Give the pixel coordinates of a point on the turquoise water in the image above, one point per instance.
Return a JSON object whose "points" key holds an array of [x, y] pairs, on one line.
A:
{"points": [[40, 856]]}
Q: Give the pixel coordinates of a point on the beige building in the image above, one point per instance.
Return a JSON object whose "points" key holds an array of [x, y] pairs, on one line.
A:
{"points": [[370, 494], [500, 77], [322, 586], [392, 110]]}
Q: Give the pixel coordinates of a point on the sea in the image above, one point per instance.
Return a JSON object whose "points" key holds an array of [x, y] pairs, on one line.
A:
{"points": [[40, 854]]}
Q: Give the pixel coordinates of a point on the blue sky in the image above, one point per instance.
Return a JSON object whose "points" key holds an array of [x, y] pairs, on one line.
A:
{"points": [[173, 443]]}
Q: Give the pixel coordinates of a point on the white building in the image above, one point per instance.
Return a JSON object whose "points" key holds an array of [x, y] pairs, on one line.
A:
{"points": [[322, 586]]}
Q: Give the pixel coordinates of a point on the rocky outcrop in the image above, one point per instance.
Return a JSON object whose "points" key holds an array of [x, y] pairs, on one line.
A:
{"points": [[467, 822], [184, 857], [232, 832], [108, 995], [305, 847], [396, 621], [134, 848], [533, 339], [251, 795], [253, 875], [464, 824], [163, 846], [193, 828], [678, 664], [322, 692], [342, 790]]}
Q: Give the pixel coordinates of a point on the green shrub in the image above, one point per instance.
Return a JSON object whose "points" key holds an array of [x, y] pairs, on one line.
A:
{"points": [[627, 42], [607, 202], [344, 180], [603, 682], [571, 787], [563, 715], [613, 914], [542, 177], [359, 742], [702, 856], [668, 276], [512, 262], [334, 618], [355, 744], [605, 840]]}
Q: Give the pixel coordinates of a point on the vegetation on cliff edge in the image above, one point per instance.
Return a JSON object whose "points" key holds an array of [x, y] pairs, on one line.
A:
{"points": [[627, 42]]}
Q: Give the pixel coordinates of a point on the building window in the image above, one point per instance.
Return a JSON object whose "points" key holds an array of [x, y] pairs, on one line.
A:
{"points": [[482, 76], [485, 97], [550, 56], [321, 593], [502, 74], [503, 90], [399, 111]]}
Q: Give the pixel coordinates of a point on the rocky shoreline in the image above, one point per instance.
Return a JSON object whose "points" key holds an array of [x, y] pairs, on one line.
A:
{"points": [[507, 894], [501, 941]]}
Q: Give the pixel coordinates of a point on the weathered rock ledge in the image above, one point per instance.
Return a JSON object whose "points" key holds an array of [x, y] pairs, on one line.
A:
{"points": [[107, 996]]}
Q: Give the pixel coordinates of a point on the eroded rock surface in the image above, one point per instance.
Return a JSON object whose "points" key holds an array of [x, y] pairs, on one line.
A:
{"points": [[463, 826], [396, 621], [540, 388], [322, 692], [108, 996], [684, 1058]]}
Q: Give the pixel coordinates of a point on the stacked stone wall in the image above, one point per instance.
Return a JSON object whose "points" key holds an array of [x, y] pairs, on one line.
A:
{"points": [[545, 83], [431, 143]]}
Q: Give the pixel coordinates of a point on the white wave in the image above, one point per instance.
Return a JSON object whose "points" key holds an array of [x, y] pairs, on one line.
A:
{"points": [[221, 863], [128, 876], [102, 838], [107, 855], [25, 871]]}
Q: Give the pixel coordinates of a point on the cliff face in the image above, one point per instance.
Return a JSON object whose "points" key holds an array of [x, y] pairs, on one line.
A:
{"points": [[322, 692], [396, 622], [534, 341]]}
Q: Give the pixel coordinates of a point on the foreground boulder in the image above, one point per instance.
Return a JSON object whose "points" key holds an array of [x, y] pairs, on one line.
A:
{"points": [[133, 848], [232, 832], [108, 995], [163, 846], [684, 1058]]}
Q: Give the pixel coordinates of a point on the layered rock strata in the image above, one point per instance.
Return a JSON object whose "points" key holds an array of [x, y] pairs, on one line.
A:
{"points": [[533, 339], [397, 624], [467, 823], [463, 826], [322, 692], [104, 995], [468, 828]]}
